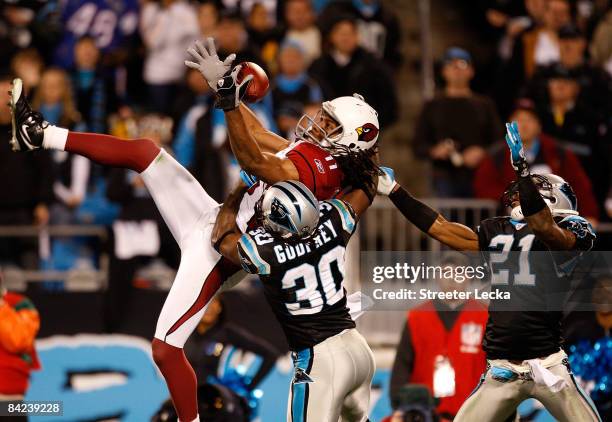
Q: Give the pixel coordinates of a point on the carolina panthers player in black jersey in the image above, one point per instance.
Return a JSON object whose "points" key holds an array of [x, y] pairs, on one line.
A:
{"points": [[523, 335], [298, 251]]}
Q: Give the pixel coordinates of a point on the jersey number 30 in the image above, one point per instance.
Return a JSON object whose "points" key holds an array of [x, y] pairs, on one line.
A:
{"points": [[315, 287]]}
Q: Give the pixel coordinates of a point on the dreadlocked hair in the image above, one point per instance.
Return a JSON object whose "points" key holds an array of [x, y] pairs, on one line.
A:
{"points": [[360, 170]]}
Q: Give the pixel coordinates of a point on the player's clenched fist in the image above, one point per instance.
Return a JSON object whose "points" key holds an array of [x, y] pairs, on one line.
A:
{"points": [[386, 181]]}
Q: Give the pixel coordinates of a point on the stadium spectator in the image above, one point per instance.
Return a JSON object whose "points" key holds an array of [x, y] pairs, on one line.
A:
{"points": [[89, 85], [292, 88], [544, 155], [540, 45], [243, 8], [507, 22], [455, 127], [113, 25], [601, 44], [25, 199], [54, 98], [378, 27], [194, 102], [208, 16], [263, 33], [536, 46], [440, 346], [28, 65], [167, 28], [19, 324], [595, 83], [232, 37], [570, 119], [301, 28], [15, 29], [345, 68]]}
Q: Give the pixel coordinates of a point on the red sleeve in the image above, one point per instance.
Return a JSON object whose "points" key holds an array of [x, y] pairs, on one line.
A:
{"points": [[486, 180], [577, 178], [318, 170]]}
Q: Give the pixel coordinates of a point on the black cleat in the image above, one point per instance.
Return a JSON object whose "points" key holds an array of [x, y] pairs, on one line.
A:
{"points": [[28, 125]]}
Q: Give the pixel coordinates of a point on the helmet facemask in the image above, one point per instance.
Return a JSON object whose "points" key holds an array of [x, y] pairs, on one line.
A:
{"points": [[510, 197], [311, 130]]}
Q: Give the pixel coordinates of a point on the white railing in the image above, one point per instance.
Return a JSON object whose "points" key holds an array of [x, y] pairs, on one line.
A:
{"points": [[76, 279], [381, 228]]}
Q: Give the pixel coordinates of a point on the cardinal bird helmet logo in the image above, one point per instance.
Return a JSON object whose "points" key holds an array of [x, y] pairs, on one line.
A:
{"points": [[367, 132]]}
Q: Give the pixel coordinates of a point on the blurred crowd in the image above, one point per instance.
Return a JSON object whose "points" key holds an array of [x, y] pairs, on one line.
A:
{"points": [[118, 67], [546, 64]]}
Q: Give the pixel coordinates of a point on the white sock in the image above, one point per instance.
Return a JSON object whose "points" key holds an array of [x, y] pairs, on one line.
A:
{"points": [[55, 137], [197, 419]]}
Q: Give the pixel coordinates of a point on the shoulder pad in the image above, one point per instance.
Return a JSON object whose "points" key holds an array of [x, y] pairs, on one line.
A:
{"points": [[250, 259], [582, 229], [248, 179], [347, 215]]}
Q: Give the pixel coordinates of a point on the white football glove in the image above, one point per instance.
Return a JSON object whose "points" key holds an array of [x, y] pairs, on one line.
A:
{"points": [[207, 62], [386, 182]]}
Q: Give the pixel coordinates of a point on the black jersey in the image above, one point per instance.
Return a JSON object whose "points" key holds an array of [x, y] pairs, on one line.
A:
{"points": [[302, 278], [528, 324]]}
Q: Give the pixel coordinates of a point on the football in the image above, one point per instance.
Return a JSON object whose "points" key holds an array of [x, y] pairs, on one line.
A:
{"points": [[259, 85]]}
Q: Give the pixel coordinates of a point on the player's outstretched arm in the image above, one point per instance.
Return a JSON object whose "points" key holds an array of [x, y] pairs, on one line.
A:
{"points": [[426, 219], [225, 234], [263, 165], [268, 141], [243, 127], [537, 214]]}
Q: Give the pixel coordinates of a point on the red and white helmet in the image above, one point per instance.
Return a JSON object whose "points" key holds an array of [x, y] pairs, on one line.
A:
{"points": [[357, 124]]}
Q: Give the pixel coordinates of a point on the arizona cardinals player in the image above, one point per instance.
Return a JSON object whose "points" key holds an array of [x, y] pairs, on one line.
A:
{"points": [[343, 135], [190, 212]]}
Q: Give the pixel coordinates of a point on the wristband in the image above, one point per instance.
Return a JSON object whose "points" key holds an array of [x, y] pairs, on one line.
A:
{"points": [[529, 196], [414, 210], [522, 168]]}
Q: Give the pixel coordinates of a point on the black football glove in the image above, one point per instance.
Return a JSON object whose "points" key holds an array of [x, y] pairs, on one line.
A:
{"points": [[229, 91]]}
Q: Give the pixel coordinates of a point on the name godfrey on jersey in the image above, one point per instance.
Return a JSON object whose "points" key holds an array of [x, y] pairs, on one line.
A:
{"points": [[286, 252], [427, 294]]}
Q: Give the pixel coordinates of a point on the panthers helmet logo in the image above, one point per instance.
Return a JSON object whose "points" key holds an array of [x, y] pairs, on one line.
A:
{"points": [[367, 132], [280, 215]]}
